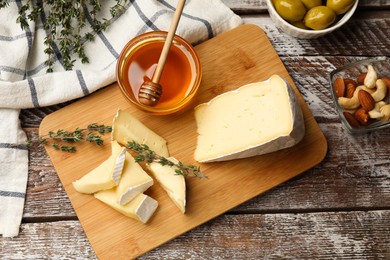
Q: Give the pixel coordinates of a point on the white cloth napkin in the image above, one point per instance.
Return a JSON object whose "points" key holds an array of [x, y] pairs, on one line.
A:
{"points": [[24, 82]]}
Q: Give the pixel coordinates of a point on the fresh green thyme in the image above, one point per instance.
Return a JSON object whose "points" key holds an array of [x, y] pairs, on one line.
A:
{"points": [[93, 134], [63, 140], [64, 24], [145, 154]]}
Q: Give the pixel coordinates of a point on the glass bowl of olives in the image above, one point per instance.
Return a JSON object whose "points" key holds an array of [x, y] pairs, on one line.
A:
{"points": [[308, 19]]}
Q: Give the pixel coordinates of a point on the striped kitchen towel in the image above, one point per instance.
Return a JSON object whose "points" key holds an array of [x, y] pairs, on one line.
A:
{"points": [[24, 82]]}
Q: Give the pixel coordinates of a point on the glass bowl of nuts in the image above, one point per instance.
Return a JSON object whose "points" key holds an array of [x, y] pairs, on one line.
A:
{"points": [[361, 93]]}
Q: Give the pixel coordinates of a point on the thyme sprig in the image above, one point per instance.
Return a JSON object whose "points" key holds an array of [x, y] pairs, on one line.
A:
{"points": [[145, 154], [64, 23], [93, 134]]}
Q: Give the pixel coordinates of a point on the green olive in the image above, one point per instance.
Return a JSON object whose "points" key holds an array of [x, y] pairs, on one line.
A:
{"points": [[340, 6], [319, 17], [290, 10], [311, 3], [300, 24]]}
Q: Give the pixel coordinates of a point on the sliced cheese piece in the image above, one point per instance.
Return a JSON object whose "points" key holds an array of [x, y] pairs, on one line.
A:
{"points": [[140, 208], [134, 181], [127, 128], [174, 184], [255, 119], [106, 175]]}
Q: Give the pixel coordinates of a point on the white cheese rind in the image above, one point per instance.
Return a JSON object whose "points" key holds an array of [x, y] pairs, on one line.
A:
{"points": [[118, 166], [106, 175], [141, 208], [174, 184], [134, 181], [127, 128], [255, 119]]}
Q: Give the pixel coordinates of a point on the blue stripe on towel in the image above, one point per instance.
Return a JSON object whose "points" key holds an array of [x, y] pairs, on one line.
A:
{"points": [[13, 194], [12, 70], [146, 20], [13, 38], [150, 20], [28, 35], [14, 146], [38, 68], [33, 90], [100, 34], [82, 82], [205, 22]]}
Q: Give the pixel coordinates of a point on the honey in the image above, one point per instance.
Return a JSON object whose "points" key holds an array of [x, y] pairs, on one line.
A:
{"points": [[180, 77]]}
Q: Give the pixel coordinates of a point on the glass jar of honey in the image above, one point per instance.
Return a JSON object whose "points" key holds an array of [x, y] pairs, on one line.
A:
{"points": [[180, 78]]}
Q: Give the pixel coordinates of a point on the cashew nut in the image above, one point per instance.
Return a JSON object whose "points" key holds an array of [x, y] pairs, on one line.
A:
{"points": [[376, 113], [371, 77], [353, 102], [381, 90], [385, 110]]}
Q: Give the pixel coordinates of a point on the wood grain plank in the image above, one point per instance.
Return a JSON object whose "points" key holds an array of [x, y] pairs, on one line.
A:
{"points": [[353, 235], [52, 240], [247, 6]]}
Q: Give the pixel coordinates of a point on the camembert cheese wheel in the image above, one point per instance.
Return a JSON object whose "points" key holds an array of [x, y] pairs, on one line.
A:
{"points": [[254, 119]]}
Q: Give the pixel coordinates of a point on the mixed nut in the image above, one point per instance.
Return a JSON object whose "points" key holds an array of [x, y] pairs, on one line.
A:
{"points": [[363, 100]]}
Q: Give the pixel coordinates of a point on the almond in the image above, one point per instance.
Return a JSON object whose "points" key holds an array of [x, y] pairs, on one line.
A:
{"points": [[349, 90], [362, 116], [366, 100], [339, 87], [350, 81], [360, 78], [351, 119]]}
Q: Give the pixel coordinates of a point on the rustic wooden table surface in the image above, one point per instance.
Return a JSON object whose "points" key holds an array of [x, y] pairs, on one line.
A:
{"points": [[339, 209]]}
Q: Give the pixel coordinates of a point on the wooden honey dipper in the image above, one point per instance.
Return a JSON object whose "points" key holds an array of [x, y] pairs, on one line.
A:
{"points": [[150, 91]]}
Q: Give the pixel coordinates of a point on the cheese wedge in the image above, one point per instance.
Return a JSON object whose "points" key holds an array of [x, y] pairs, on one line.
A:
{"points": [[126, 128], [140, 208], [174, 184], [134, 181], [255, 119], [106, 175]]}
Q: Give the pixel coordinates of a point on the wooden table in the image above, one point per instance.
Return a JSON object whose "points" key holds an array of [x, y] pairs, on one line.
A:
{"points": [[339, 209]]}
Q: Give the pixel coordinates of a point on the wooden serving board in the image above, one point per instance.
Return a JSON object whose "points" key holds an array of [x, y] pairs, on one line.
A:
{"points": [[230, 60]]}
